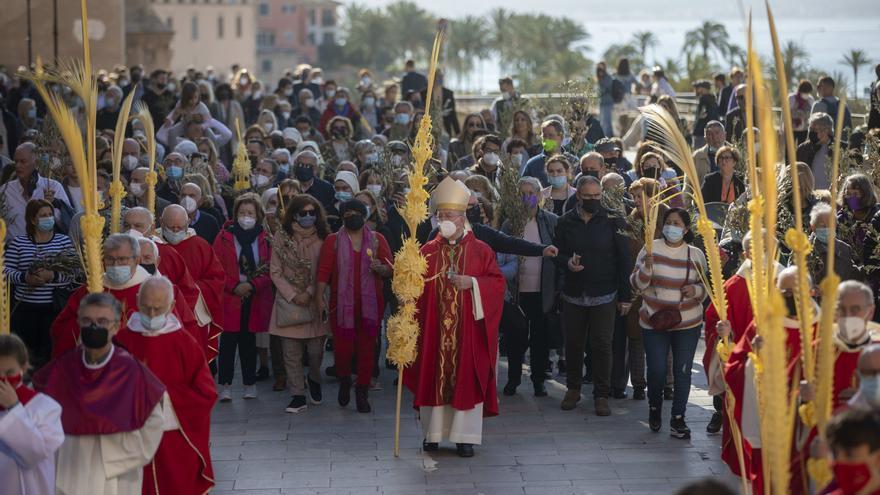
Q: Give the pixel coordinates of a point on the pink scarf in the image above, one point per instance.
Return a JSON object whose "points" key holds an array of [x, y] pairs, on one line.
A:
{"points": [[370, 312]]}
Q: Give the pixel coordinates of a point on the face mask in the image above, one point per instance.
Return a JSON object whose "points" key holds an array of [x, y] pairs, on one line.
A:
{"points": [[306, 221], [852, 329], [285, 115], [171, 87], [93, 336], [851, 477], [288, 91], [813, 136], [174, 237], [549, 145], [506, 95], [247, 222], [591, 206], [354, 222], [154, 323], [330, 93], [673, 233], [369, 211], [406, 190], [365, 81], [318, 80], [869, 388], [310, 102], [822, 235], [284, 168], [474, 215], [340, 102], [516, 160], [396, 160], [649, 172], [338, 133], [611, 162], [137, 189], [369, 101], [268, 127], [557, 181], [32, 114], [304, 174], [854, 203], [402, 118], [791, 306], [189, 204], [258, 94], [13, 380], [447, 229], [243, 81], [174, 172], [343, 196], [46, 224], [135, 233], [118, 275], [375, 189], [372, 157], [530, 200], [151, 269], [260, 180], [491, 159], [130, 162]]}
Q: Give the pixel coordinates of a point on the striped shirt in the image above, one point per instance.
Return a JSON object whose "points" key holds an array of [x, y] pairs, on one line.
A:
{"points": [[661, 287], [21, 252]]}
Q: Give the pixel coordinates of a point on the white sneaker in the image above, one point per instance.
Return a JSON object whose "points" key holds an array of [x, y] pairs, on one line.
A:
{"points": [[250, 392], [225, 395]]}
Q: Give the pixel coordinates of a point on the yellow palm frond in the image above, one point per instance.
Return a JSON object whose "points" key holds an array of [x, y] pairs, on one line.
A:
{"points": [[117, 191], [142, 113]]}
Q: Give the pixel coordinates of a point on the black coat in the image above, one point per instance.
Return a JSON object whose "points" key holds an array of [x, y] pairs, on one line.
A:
{"points": [[450, 118], [712, 187], [501, 242]]}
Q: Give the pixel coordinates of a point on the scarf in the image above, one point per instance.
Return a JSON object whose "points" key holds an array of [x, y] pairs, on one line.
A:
{"points": [[369, 310], [247, 263]]}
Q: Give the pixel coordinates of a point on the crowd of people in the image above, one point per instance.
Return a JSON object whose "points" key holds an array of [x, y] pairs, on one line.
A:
{"points": [[545, 208]]}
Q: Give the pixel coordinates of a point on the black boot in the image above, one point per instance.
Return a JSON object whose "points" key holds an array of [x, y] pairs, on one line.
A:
{"points": [[344, 396], [464, 449], [360, 398]]}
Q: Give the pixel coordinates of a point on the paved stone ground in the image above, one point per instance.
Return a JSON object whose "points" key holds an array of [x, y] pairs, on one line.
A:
{"points": [[533, 447]]}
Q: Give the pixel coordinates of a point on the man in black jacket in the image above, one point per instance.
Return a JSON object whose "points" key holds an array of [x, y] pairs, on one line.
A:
{"points": [[594, 255]]}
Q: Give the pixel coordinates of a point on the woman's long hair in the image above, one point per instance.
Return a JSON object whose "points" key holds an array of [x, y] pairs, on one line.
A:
{"points": [[299, 202]]}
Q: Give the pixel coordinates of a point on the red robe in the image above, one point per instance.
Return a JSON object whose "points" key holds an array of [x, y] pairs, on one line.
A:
{"points": [[209, 275], [173, 266], [183, 462], [65, 329], [739, 314], [467, 375]]}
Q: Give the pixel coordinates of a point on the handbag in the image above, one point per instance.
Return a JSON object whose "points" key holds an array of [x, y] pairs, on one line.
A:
{"points": [[668, 318], [288, 313]]}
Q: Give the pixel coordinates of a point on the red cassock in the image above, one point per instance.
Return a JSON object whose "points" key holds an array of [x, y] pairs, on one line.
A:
{"points": [[735, 377], [173, 266], [739, 314], [208, 274], [462, 372], [65, 329], [183, 462]]}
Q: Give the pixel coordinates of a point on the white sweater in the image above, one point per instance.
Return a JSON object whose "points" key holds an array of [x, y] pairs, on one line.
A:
{"points": [[661, 287]]}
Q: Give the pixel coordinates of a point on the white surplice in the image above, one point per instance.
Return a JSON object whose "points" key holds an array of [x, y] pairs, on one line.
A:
{"points": [[29, 436]]}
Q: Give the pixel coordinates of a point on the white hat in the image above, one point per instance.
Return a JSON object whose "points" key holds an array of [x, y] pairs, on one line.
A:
{"points": [[293, 134], [350, 179]]}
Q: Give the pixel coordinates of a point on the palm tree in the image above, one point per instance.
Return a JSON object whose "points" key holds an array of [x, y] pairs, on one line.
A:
{"points": [[569, 63], [855, 59], [710, 35], [412, 30], [736, 55], [615, 52], [794, 59], [467, 45], [500, 35], [644, 40]]}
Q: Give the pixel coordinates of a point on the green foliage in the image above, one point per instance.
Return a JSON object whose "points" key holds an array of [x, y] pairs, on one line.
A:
{"points": [[855, 59]]}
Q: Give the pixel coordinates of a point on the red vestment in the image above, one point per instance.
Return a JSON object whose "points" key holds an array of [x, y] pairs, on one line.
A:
{"points": [[461, 371], [172, 266], [209, 275], [183, 462], [65, 329], [739, 314]]}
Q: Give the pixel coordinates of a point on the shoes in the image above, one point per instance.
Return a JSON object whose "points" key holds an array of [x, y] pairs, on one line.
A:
{"points": [[297, 404], [225, 394], [509, 389], [655, 418], [678, 428], [540, 389], [714, 425], [262, 374], [430, 446], [618, 394], [330, 371], [250, 392], [572, 397], [602, 408], [639, 394], [464, 449], [360, 398], [280, 383], [315, 395], [344, 396], [668, 394]]}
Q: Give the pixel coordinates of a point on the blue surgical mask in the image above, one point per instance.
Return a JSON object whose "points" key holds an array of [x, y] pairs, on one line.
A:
{"points": [[869, 389], [402, 118], [284, 168], [32, 114], [673, 233], [174, 172], [306, 221], [558, 181], [822, 235], [118, 275], [340, 102], [154, 323], [343, 196], [46, 224], [173, 237]]}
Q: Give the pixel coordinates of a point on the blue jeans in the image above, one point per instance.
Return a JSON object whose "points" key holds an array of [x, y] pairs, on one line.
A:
{"points": [[684, 346], [605, 113]]}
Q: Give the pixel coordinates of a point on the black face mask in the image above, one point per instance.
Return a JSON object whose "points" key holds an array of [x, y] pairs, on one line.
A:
{"points": [[611, 162], [304, 174], [474, 215], [813, 136], [791, 306], [591, 206], [338, 133], [649, 172], [151, 269], [354, 222], [93, 336], [254, 160]]}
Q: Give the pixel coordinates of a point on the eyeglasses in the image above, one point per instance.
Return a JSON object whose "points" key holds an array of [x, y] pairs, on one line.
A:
{"points": [[306, 213], [726, 157], [116, 261]]}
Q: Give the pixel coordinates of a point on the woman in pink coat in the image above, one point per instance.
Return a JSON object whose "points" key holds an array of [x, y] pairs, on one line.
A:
{"points": [[243, 250]]}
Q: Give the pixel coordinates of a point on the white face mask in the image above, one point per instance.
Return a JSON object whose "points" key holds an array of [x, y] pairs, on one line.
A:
{"points": [[260, 180], [135, 233], [130, 162], [310, 102], [246, 222], [491, 158], [137, 189], [268, 127], [447, 229], [852, 329], [189, 204], [375, 189], [396, 160], [258, 94]]}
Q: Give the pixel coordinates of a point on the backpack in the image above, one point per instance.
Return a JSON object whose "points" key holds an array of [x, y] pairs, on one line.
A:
{"points": [[617, 91]]}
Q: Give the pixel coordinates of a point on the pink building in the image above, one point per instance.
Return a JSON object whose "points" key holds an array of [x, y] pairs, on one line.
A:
{"points": [[289, 32]]}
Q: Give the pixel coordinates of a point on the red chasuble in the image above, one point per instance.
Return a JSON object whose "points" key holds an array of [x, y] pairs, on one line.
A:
{"points": [[183, 462], [115, 398], [457, 353], [173, 266], [739, 314], [65, 330], [208, 274]]}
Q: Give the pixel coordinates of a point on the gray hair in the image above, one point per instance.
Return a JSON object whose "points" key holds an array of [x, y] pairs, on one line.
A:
{"points": [[149, 242], [713, 123], [282, 151], [141, 210], [118, 241], [162, 282], [822, 119], [612, 179], [593, 155], [306, 153], [105, 300], [535, 183], [404, 103], [848, 286], [305, 91], [587, 179], [819, 210]]}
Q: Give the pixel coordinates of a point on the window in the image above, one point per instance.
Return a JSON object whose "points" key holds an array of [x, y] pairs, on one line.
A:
{"points": [[220, 27], [312, 18], [311, 38], [328, 39], [264, 9], [288, 36], [238, 27], [194, 27], [288, 8], [327, 18], [266, 65], [266, 39]]}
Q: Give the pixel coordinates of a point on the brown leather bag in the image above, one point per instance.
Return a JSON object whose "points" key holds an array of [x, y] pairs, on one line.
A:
{"points": [[669, 318]]}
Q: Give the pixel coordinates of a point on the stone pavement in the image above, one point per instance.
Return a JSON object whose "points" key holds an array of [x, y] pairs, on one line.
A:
{"points": [[533, 447]]}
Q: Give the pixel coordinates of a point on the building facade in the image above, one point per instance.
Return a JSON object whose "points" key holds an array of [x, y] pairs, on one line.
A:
{"points": [[147, 38], [289, 33]]}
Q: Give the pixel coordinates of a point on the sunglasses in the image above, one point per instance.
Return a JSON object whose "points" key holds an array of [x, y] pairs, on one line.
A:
{"points": [[306, 213]]}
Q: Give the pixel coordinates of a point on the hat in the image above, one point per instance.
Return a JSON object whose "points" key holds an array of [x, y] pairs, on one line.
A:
{"points": [[354, 205], [397, 146], [605, 145], [186, 147], [292, 134], [350, 179], [451, 194]]}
